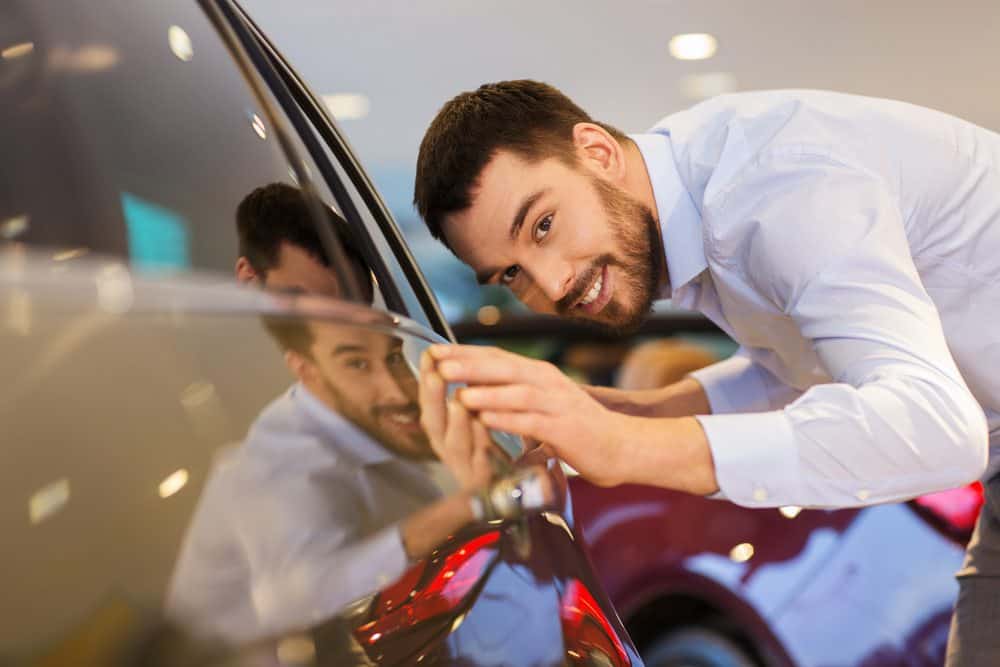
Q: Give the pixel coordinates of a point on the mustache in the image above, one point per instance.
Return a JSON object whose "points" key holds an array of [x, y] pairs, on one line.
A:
{"points": [[583, 284], [389, 410]]}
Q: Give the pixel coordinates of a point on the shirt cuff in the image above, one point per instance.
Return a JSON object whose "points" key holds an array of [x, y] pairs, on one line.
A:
{"points": [[755, 458]]}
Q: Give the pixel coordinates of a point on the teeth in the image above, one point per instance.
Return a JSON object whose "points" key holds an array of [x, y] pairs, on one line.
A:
{"points": [[593, 293], [402, 419]]}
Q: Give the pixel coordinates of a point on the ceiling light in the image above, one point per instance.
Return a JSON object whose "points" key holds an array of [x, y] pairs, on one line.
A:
{"points": [[709, 84], [17, 50], [488, 315], [48, 500], [347, 106], [789, 511], [13, 227], [693, 46], [180, 43], [174, 483], [87, 58], [67, 255], [258, 126], [741, 553]]}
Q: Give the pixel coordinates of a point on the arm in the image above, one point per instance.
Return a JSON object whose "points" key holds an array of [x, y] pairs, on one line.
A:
{"points": [[828, 246], [736, 384], [308, 554], [682, 398]]}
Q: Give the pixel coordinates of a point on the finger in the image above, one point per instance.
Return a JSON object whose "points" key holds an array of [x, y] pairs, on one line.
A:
{"points": [[432, 407], [497, 370], [426, 362], [458, 437], [482, 444], [460, 352], [511, 397], [529, 424]]}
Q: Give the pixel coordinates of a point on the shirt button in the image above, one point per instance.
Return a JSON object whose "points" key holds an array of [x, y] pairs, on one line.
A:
{"points": [[862, 495], [759, 494]]}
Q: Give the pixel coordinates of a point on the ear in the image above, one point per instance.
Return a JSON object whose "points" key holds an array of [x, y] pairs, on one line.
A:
{"points": [[302, 368], [599, 151], [245, 273]]}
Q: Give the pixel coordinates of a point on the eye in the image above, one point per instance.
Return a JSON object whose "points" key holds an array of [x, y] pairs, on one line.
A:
{"points": [[508, 276], [357, 364], [542, 228], [395, 358]]}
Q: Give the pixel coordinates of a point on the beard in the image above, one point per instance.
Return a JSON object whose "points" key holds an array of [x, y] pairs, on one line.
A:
{"points": [[639, 257]]}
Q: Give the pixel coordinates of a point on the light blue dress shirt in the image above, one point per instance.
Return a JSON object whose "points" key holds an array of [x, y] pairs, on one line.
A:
{"points": [[851, 246], [298, 521]]}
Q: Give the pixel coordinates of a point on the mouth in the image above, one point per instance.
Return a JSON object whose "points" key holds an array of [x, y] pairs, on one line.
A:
{"points": [[407, 418], [599, 294]]}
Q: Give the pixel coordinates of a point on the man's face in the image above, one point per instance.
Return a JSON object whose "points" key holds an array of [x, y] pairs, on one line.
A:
{"points": [[365, 377], [296, 270], [565, 240]]}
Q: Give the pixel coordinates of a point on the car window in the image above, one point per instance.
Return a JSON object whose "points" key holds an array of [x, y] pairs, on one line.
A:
{"points": [[385, 247], [131, 134]]}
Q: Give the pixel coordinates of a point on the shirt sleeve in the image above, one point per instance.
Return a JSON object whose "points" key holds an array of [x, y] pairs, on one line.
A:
{"points": [[307, 551], [738, 384], [826, 243]]}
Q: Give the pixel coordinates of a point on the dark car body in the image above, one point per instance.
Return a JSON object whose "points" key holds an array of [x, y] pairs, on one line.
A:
{"points": [[134, 367]]}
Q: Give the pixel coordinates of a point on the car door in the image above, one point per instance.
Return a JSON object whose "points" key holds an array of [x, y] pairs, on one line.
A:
{"points": [[203, 472]]}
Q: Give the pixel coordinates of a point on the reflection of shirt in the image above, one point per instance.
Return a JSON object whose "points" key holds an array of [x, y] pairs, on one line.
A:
{"points": [[846, 243], [296, 523]]}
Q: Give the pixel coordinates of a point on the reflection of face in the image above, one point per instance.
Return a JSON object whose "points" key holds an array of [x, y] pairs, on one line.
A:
{"points": [[297, 270], [364, 376], [586, 248]]}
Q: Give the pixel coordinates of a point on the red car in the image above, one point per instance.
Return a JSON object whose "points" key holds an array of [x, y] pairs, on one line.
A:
{"points": [[708, 583]]}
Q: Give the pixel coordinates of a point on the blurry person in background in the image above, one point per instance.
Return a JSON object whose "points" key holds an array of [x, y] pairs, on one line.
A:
{"points": [[336, 489], [654, 364]]}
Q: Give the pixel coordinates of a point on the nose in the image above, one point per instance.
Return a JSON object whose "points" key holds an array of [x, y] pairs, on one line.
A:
{"points": [[388, 388], [553, 276]]}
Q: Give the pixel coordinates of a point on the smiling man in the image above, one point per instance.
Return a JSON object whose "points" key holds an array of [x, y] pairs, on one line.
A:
{"points": [[850, 245]]}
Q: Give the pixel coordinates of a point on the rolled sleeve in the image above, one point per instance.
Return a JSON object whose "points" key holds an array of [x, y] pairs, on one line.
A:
{"points": [[829, 249], [738, 384]]}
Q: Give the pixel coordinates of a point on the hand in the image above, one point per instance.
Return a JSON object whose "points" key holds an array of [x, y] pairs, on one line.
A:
{"points": [[535, 400], [461, 442]]}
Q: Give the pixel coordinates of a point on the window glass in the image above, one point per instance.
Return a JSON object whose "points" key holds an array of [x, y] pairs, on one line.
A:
{"points": [[130, 133]]}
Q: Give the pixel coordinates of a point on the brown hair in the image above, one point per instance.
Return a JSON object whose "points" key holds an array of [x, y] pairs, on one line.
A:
{"points": [[531, 119]]}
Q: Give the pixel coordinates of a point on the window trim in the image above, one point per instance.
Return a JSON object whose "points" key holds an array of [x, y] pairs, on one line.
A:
{"points": [[320, 121]]}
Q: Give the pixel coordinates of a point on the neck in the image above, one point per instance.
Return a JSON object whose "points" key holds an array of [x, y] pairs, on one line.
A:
{"points": [[638, 185]]}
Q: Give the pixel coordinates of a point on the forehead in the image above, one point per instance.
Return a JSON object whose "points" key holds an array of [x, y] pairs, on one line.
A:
{"points": [[505, 183], [331, 336]]}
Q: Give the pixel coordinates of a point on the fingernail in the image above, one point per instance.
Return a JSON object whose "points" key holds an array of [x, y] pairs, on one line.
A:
{"points": [[438, 351], [449, 369]]}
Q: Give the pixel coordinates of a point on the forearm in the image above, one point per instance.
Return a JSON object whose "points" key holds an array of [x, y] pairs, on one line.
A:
{"points": [[680, 399], [672, 453], [427, 528]]}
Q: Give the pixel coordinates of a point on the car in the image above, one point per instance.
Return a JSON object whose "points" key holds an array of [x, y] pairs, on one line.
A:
{"points": [[171, 494], [706, 582]]}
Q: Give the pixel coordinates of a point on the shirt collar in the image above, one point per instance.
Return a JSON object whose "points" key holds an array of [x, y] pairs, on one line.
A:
{"points": [[680, 220], [354, 445]]}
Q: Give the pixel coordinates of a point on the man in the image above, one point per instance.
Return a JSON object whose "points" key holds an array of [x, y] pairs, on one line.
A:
{"points": [[850, 245], [280, 248], [335, 489]]}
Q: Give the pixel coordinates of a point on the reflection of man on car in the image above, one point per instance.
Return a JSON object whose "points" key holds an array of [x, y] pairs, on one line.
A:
{"points": [[332, 493]]}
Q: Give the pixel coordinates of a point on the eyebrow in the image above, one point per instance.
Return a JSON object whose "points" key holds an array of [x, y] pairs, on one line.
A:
{"points": [[483, 277], [344, 349]]}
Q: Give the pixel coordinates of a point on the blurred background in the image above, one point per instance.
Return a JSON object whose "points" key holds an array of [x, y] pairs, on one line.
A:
{"points": [[385, 68]]}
